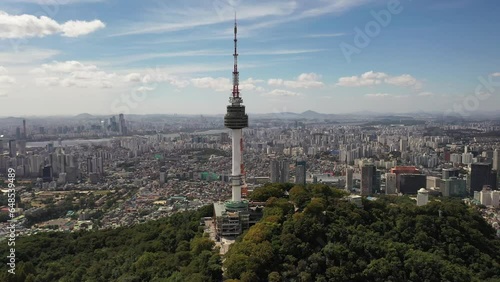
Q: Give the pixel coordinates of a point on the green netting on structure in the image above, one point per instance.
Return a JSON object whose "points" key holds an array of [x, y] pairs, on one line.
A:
{"points": [[209, 176], [230, 205]]}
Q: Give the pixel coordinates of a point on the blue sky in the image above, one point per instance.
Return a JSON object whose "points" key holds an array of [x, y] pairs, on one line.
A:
{"points": [[153, 56]]}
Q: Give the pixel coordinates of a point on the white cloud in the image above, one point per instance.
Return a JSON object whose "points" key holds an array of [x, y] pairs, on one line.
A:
{"points": [[282, 93], [26, 56], [158, 76], [65, 67], [305, 80], [367, 79], [335, 6], [405, 80], [144, 89], [310, 9], [402, 96], [376, 78], [250, 84], [425, 94], [253, 81], [282, 52], [78, 28], [48, 81], [496, 74], [73, 74], [222, 84], [133, 77], [5, 79], [168, 18], [275, 82], [25, 26], [378, 95], [219, 84], [209, 53]]}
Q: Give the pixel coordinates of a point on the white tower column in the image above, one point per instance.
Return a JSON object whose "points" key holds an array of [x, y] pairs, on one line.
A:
{"points": [[236, 162]]}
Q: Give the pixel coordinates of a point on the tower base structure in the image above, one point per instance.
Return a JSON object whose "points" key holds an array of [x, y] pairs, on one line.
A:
{"points": [[233, 217]]}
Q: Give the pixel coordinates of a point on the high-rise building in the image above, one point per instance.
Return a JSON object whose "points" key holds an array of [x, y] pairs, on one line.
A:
{"points": [[403, 145], [411, 183], [122, 128], [454, 187], [18, 133], [24, 130], [377, 181], [12, 148], [485, 196], [72, 174], [99, 166], [495, 199], [450, 172], [50, 147], [91, 165], [433, 182], [300, 173], [162, 177], [456, 158], [496, 160], [22, 147], [367, 179], [349, 179], [481, 175], [275, 171], [280, 171], [47, 174], [113, 125], [390, 183], [62, 178], [467, 158]]}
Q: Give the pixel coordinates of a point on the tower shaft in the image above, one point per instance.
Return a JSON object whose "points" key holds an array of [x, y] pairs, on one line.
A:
{"points": [[236, 178]]}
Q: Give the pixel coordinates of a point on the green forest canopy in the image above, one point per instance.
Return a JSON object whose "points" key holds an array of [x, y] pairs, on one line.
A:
{"points": [[308, 234], [391, 239], [169, 249]]}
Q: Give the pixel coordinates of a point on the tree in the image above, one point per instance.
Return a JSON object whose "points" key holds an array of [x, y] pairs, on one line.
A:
{"points": [[299, 196], [262, 194]]}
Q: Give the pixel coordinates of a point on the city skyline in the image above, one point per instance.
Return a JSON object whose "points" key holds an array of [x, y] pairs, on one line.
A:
{"points": [[83, 56]]}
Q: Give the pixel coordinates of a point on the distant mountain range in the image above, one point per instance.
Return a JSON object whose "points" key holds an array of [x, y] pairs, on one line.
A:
{"points": [[309, 115]]}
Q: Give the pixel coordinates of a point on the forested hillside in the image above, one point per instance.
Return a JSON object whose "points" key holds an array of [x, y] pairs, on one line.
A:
{"points": [[170, 249], [311, 234], [391, 239]]}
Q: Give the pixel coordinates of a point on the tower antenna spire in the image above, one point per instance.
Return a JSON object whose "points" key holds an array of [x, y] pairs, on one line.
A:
{"points": [[236, 74]]}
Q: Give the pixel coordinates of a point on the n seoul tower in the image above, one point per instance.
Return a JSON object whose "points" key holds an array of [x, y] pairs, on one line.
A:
{"points": [[236, 119]]}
